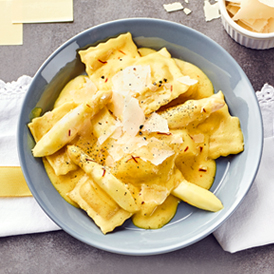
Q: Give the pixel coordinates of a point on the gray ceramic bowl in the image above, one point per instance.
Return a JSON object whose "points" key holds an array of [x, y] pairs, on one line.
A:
{"points": [[235, 174]]}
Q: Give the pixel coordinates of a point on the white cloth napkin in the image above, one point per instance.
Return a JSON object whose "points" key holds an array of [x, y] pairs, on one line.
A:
{"points": [[253, 222], [17, 215]]}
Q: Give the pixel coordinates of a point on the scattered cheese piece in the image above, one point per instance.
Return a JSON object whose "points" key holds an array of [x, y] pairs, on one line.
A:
{"points": [[155, 151], [198, 138], [187, 11], [203, 168], [116, 153], [173, 7], [118, 132], [176, 139], [132, 79], [211, 11], [133, 116], [116, 106], [160, 155], [130, 143], [187, 80], [109, 132], [156, 123], [126, 144]]}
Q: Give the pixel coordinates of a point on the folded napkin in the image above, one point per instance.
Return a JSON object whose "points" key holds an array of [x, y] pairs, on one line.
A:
{"points": [[18, 215], [252, 224]]}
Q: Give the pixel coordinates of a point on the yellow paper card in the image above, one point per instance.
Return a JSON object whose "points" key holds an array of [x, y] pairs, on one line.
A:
{"points": [[10, 34], [42, 11], [12, 182]]}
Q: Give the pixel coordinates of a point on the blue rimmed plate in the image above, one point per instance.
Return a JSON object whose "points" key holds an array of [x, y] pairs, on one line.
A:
{"points": [[234, 176]]}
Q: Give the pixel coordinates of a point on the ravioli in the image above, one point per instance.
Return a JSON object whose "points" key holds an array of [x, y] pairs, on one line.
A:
{"points": [[136, 136]]}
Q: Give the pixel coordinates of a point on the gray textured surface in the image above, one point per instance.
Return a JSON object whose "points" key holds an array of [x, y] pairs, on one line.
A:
{"points": [[57, 252], [40, 40]]}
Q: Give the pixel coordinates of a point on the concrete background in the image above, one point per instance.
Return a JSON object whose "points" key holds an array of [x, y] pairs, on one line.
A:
{"points": [[57, 252]]}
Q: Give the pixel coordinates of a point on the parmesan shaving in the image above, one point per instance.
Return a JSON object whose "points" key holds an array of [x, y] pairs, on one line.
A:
{"points": [[176, 139], [149, 194], [187, 80], [271, 25], [90, 85], [133, 116], [132, 80], [105, 136], [155, 151], [173, 7], [253, 9], [232, 9], [130, 143], [109, 161], [118, 131], [211, 11], [253, 15], [257, 25], [116, 153], [202, 168], [116, 106], [187, 11], [198, 138], [160, 155], [126, 144], [156, 123]]}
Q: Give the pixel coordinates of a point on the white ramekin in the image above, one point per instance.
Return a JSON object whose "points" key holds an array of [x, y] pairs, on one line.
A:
{"points": [[242, 36]]}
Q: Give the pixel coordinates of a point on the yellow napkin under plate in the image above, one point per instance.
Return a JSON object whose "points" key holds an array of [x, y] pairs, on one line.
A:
{"points": [[12, 182]]}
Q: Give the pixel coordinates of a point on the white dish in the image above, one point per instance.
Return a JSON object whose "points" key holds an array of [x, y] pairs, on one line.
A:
{"points": [[242, 36]]}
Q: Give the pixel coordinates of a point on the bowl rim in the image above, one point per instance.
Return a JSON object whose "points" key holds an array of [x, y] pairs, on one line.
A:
{"points": [[151, 251], [241, 30]]}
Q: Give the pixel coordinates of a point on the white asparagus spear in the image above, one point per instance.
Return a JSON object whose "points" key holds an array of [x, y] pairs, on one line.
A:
{"points": [[67, 127], [192, 111], [197, 196], [116, 189]]}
